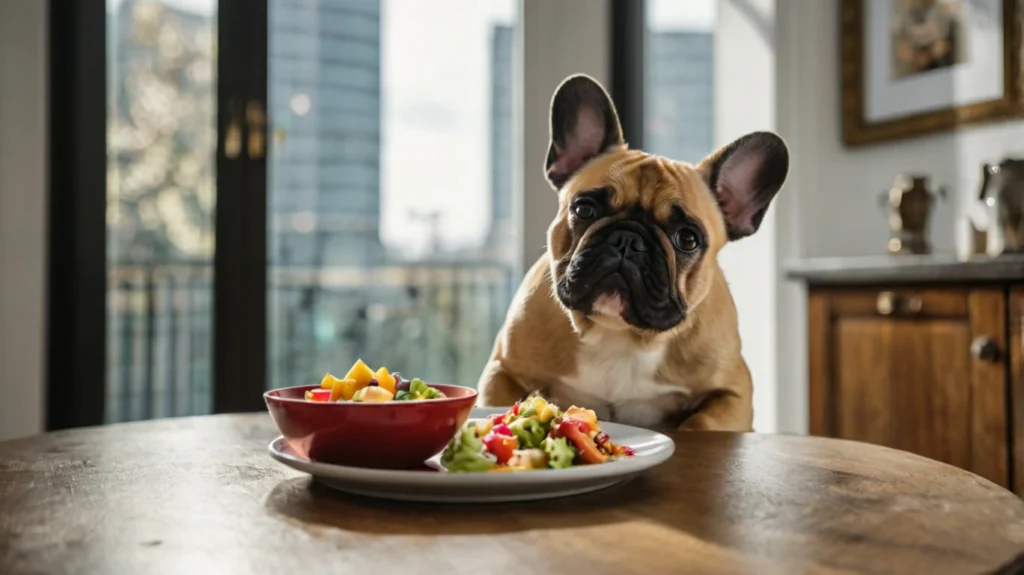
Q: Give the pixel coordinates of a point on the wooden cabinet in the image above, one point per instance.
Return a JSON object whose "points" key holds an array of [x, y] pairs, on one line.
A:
{"points": [[925, 369]]}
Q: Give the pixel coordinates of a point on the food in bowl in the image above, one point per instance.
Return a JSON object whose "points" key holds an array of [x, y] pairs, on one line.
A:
{"points": [[380, 435], [363, 384], [534, 434]]}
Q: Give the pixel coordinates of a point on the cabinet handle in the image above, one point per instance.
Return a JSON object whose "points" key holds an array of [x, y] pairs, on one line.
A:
{"points": [[985, 349], [890, 303]]}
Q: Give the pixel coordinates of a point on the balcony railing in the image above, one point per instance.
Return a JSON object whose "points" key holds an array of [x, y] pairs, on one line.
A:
{"points": [[435, 321]]}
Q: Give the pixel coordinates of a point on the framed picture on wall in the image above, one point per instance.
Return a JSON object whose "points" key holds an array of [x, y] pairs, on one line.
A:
{"points": [[913, 67]]}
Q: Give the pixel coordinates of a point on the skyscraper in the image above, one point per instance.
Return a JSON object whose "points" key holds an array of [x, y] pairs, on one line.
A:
{"points": [[324, 97], [679, 94], [500, 245]]}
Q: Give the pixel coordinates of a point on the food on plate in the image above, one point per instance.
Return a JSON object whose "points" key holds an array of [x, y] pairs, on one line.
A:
{"points": [[533, 434], [363, 384]]}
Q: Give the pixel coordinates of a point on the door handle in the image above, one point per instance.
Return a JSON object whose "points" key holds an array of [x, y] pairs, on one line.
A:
{"points": [[233, 132], [256, 118]]}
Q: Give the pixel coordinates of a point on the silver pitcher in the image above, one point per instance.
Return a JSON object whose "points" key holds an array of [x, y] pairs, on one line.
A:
{"points": [[1002, 192]]}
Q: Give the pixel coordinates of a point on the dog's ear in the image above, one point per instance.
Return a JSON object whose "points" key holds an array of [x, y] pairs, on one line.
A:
{"points": [[744, 176], [584, 124]]}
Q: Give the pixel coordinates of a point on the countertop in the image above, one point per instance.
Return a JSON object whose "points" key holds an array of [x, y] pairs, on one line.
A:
{"points": [[906, 269]]}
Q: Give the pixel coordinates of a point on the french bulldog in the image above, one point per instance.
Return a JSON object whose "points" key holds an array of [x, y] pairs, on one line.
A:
{"points": [[628, 312]]}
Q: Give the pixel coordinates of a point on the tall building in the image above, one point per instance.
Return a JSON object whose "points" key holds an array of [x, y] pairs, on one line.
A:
{"points": [[500, 239], [679, 94], [325, 98]]}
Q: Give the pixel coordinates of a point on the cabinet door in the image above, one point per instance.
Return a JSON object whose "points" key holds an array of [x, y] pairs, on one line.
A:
{"points": [[919, 370], [1015, 320]]}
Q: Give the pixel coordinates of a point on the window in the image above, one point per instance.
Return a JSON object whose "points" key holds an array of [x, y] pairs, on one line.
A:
{"points": [[679, 82], [389, 194]]}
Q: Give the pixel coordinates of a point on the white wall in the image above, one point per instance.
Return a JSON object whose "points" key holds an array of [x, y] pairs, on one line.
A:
{"points": [[745, 102], [23, 185], [831, 203]]}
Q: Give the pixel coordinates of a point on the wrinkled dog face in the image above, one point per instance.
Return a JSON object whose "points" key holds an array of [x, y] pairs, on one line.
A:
{"points": [[635, 235]]}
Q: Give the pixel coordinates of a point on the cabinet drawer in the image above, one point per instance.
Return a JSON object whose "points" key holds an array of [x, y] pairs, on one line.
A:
{"points": [[900, 302]]}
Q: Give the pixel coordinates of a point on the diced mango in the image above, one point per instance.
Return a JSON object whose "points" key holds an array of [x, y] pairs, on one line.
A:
{"points": [[361, 373], [338, 390], [546, 413], [581, 414], [373, 394], [349, 387], [328, 381], [385, 380]]}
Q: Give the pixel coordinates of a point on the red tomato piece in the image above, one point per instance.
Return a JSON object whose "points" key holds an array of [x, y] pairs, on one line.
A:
{"points": [[501, 446], [575, 431], [497, 418], [502, 429], [323, 395]]}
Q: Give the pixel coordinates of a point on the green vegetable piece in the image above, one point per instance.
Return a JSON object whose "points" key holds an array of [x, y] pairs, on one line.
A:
{"points": [[417, 387], [465, 452], [403, 396], [529, 432], [560, 453]]}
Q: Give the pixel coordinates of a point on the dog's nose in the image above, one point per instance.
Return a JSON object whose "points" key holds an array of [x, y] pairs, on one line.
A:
{"points": [[626, 240]]}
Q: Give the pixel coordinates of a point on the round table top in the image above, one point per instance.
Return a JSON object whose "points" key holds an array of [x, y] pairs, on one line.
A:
{"points": [[201, 495]]}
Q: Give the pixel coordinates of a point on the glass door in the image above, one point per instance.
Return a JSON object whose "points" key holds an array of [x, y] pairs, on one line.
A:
{"points": [[157, 245], [389, 199], [161, 207], [249, 193]]}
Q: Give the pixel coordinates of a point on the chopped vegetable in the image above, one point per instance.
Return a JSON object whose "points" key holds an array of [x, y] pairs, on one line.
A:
{"points": [[483, 427], [532, 434], [386, 380], [361, 373], [560, 453], [338, 389], [574, 432], [348, 389], [529, 459], [322, 395], [465, 452], [580, 414], [529, 432], [360, 377], [373, 394], [328, 381], [502, 446]]}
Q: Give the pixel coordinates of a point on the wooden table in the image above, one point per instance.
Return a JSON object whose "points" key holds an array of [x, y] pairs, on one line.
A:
{"points": [[201, 495]]}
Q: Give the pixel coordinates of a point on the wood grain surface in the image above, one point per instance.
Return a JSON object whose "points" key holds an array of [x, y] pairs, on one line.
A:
{"points": [[201, 495]]}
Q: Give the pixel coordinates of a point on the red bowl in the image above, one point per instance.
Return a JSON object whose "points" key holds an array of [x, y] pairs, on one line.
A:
{"points": [[386, 435]]}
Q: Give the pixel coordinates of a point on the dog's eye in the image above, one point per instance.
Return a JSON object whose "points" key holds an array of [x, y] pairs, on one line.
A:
{"points": [[686, 240], [585, 209]]}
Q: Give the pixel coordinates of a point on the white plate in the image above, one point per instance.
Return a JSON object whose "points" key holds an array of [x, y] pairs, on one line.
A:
{"points": [[651, 448]]}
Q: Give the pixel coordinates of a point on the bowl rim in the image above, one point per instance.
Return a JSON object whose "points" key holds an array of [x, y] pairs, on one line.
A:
{"points": [[367, 404]]}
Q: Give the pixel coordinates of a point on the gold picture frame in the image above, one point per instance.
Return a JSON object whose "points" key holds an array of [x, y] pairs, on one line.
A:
{"points": [[857, 130]]}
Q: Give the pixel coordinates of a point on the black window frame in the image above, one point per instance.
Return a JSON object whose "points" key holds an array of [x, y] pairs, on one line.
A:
{"points": [[628, 30], [76, 347]]}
